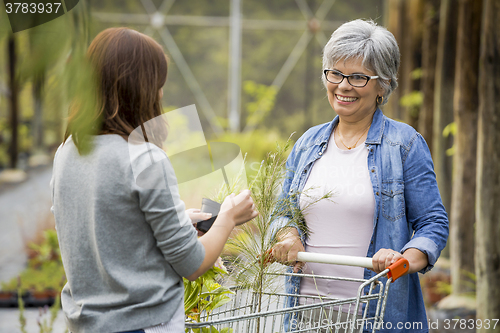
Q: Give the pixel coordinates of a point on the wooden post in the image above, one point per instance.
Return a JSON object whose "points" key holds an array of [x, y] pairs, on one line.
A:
{"points": [[13, 101], [443, 98], [488, 170], [411, 54], [394, 14], [464, 161], [429, 55]]}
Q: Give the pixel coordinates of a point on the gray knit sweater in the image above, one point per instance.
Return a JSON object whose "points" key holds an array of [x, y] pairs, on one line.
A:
{"points": [[124, 245]]}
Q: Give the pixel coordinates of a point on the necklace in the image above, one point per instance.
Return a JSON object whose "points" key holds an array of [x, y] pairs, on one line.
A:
{"points": [[349, 148]]}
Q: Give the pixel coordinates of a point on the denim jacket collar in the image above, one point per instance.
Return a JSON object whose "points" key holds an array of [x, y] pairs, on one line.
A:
{"points": [[377, 128], [374, 134]]}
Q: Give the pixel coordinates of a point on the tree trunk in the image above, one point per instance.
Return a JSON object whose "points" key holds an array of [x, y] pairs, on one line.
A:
{"points": [[411, 55], [488, 169], [429, 55], [13, 101], [309, 81], [464, 173], [38, 112], [394, 14], [443, 98]]}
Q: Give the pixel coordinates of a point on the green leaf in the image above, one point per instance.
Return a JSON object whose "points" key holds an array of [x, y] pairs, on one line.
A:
{"points": [[220, 301], [412, 100], [191, 295], [451, 128]]}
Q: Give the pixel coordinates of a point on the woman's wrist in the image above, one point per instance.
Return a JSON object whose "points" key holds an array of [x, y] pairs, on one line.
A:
{"points": [[226, 220], [417, 260], [287, 232]]}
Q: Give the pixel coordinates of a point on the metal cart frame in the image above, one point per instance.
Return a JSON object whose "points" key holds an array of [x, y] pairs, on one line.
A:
{"points": [[265, 313]]}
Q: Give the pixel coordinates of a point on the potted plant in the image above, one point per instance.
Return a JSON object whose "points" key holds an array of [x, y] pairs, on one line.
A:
{"points": [[40, 283]]}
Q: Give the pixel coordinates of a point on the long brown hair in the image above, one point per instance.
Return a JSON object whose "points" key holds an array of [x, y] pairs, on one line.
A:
{"points": [[129, 70]]}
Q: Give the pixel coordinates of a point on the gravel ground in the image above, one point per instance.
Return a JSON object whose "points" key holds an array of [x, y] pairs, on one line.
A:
{"points": [[24, 209]]}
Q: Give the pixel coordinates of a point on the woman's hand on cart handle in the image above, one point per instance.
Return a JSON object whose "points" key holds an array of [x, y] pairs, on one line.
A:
{"points": [[285, 251], [395, 270], [386, 257]]}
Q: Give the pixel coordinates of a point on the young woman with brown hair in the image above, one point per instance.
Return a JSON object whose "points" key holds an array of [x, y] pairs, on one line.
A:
{"points": [[125, 248]]}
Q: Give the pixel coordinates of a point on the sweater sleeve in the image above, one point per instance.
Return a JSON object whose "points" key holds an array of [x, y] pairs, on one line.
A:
{"points": [[164, 211]]}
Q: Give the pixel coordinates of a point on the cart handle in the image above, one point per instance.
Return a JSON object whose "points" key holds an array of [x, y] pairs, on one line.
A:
{"points": [[396, 270]]}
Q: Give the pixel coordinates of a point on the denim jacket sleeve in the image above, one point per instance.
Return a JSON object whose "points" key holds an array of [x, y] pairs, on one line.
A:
{"points": [[425, 211]]}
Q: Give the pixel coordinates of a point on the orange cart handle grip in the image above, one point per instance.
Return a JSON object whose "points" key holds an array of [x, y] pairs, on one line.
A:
{"points": [[398, 269]]}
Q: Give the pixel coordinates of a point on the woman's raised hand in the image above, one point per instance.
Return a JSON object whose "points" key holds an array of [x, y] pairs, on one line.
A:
{"points": [[239, 208]]}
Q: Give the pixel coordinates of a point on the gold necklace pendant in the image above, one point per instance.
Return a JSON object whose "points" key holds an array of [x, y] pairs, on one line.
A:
{"points": [[349, 148]]}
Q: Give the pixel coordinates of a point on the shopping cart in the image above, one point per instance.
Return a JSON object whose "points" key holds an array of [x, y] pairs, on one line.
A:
{"points": [[266, 312]]}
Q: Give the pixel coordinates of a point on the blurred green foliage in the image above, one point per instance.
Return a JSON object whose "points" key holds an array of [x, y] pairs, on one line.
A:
{"points": [[255, 145], [45, 269], [450, 129], [54, 51], [49, 54], [413, 101], [263, 104]]}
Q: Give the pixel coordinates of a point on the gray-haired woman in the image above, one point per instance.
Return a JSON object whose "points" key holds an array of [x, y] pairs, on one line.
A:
{"points": [[386, 205]]}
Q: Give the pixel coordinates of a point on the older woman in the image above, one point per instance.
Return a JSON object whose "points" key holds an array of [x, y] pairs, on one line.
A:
{"points": [[386, 203]]}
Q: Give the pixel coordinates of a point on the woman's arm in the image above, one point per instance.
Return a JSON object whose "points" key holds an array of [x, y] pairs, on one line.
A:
{"points": [[424, 208], [424, 212]]}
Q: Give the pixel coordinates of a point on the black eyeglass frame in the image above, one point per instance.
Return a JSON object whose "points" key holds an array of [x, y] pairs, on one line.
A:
{"points": [[368, 77]]}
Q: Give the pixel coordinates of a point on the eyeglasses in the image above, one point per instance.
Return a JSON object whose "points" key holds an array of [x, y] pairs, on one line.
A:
{"points": [[355, 80]]}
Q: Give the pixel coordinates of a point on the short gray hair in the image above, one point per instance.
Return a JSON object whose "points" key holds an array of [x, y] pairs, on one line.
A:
{"points": [[373, 44]]}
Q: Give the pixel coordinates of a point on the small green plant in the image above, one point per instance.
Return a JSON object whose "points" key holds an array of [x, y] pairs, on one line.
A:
{"points": [[44, 273], [253, 241], [46, 325], [22, 318], [48, 250], [251, 244], [204, 295]]}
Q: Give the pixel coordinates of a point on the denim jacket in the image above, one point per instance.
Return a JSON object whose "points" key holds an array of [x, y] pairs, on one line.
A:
{"points": [[408, 209]]}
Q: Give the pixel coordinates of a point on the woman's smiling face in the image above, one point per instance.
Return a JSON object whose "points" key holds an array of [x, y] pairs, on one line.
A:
{"points": [[352, 103]]}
